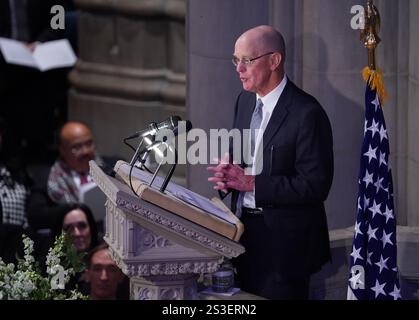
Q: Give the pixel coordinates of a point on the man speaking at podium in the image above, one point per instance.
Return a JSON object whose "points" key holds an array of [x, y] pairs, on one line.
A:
{"points": [[286, 234]]}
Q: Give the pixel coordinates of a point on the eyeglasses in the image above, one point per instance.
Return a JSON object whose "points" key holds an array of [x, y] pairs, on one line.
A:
{"points": [[79, 225], [247, 61], [77, 148]]}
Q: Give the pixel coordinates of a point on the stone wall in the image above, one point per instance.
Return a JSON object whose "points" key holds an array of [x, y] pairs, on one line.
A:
{"points": [[131, 68]]}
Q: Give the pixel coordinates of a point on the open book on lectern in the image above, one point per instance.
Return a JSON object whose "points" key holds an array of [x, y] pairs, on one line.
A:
{"points": [[212, 214]]}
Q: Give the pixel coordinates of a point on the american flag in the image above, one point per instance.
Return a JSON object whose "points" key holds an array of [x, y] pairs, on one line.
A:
{"points": [[374, 273]]}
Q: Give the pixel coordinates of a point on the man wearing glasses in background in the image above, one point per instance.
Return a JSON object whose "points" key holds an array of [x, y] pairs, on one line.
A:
{"points": [[71, 171], [286, 233]]}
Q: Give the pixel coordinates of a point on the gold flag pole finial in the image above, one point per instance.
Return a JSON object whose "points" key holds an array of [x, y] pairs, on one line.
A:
{"points": [[369, 35]]}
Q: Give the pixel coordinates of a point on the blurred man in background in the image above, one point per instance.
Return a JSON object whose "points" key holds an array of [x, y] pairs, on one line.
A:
{"points": [[71, 170], [104, 276]]}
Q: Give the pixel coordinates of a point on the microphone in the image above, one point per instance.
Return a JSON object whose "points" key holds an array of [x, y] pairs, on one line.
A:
{"points": [[187, 128], [167, 138], [170, 123], [183, 126], [161, 133]]}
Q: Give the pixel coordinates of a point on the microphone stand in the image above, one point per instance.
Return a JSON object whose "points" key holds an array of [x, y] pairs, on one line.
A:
{"points": [[169, 174], [132, 164], [149, 142], [137, 153], [144, 152]]}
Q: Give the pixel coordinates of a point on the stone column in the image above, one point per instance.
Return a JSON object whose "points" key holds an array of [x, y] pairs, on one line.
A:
{"points": [[131, 68], [176, 287], [412, 46]]}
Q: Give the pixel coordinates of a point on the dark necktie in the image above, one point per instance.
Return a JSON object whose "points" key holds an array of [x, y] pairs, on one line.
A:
{"points": [[255, 124]]}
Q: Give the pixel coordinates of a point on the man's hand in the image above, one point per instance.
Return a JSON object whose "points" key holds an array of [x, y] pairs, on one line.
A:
{"points": [[231, 176], [218, 177]]}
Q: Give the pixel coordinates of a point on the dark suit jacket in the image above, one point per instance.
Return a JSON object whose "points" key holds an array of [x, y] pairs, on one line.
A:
{"points": [[296, 176]]}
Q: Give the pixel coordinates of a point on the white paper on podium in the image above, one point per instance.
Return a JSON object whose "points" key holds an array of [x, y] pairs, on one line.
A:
{"points": [[186, 195], [94, 198], [47, 55]]}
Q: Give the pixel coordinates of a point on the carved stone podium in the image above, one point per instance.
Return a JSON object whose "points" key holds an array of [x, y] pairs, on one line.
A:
{"points": [[161, 252]]}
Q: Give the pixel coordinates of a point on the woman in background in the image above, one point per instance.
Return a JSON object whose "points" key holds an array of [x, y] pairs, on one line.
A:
{"points": [[78, 221]]}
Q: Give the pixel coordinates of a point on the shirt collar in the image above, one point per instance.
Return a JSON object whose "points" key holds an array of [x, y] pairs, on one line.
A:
{"points": [[269, 101]]}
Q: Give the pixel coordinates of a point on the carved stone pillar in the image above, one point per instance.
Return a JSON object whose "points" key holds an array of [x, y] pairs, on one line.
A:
{"points": [[178, 287], [161, 252]]}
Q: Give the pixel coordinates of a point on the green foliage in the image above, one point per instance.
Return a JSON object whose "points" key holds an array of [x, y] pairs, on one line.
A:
{"points": [[26, 282]]}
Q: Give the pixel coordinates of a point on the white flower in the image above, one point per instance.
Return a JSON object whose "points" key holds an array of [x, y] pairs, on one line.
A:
{"points": [[29, 287], [28, 283], [75, 295]]}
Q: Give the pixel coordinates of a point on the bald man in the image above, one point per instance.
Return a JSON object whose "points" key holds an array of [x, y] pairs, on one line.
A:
{"points": [[71, 170], [280, 198]]}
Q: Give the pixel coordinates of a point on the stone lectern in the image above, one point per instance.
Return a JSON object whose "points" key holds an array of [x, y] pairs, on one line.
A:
{"points": [[164, 241]]}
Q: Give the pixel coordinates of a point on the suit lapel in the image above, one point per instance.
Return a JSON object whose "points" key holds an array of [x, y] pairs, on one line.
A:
{"points": [[248, 112], [279, 114]]}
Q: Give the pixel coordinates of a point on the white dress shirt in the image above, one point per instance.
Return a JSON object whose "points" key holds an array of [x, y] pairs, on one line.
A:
{"points": [[269, 102]]}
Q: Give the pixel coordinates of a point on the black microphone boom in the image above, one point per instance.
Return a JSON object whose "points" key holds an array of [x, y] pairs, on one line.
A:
{"points": [[170, 123], [188, 127]]}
